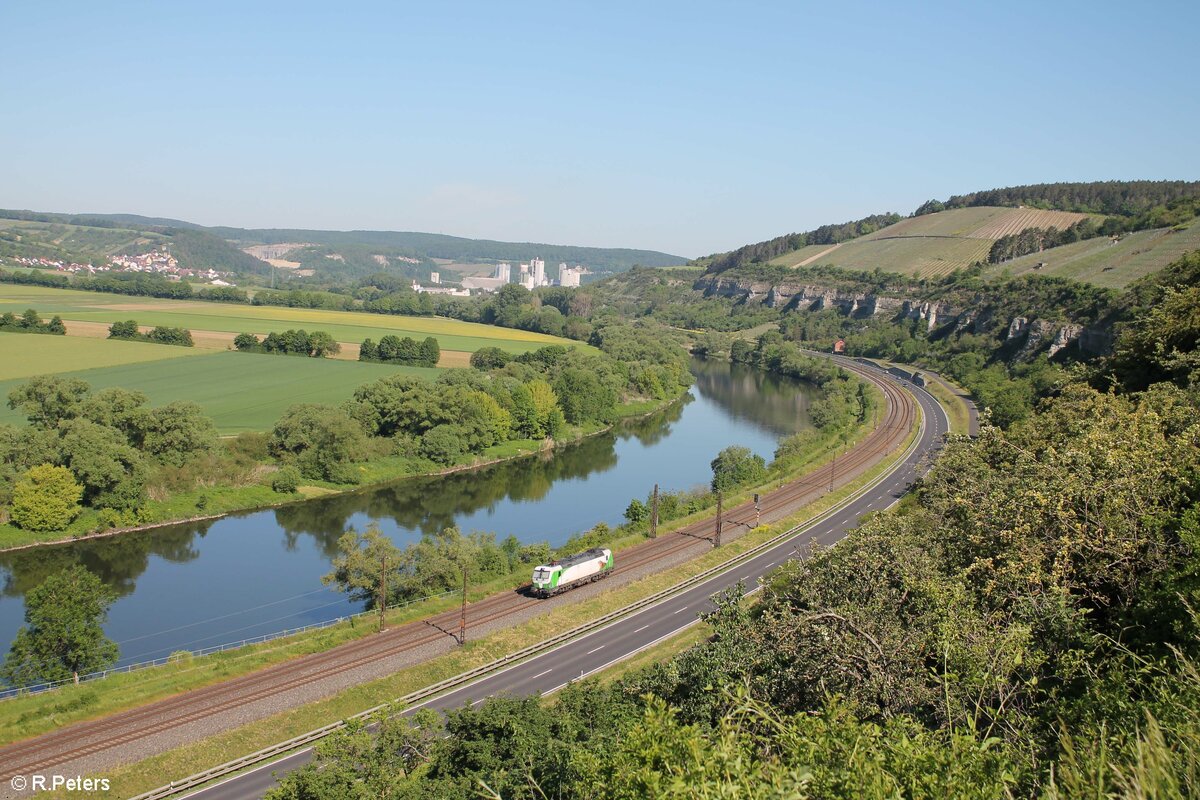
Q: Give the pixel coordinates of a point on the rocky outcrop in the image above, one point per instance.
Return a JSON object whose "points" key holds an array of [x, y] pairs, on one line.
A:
{"points": [[1028, 335], [1064, 337]]}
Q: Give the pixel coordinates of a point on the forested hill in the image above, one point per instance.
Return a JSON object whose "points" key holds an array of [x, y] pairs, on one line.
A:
{"points": [[413, 244], [1115, 198]]}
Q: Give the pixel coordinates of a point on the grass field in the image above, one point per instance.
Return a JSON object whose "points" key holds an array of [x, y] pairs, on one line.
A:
{"points": [[345, 326], [1103, 263], [23, 354], [239, 391]]}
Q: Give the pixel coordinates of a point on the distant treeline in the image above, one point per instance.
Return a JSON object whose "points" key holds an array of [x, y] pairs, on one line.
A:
{"points": [[1116, 198], [30, 321], [161, 334], [826, 234]]}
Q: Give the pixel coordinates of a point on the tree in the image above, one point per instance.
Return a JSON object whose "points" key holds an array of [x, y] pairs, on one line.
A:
{"points": [[367, 563], [489, 358], [320, 440], [737, 466], [31, 319], [124, 330], [368, 351], [47, 400], [112, 472], [175, 432], [585, 397], [246, 341], [56, 326], [322, 344], [431, 352], [46, 499], [63, 635]]}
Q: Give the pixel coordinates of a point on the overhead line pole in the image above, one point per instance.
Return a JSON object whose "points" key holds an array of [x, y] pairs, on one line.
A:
{"points": [[654, 514]]}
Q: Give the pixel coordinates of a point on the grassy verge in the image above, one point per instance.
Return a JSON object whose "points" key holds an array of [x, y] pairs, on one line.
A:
{"points": [[158, 770], [955, 405]]}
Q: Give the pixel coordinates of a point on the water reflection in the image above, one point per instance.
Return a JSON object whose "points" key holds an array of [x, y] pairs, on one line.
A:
{"points": [[200, 584]]}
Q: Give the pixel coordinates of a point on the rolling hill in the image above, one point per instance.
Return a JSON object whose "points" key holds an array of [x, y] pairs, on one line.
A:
{"points": [[334, 255], [931, 244]]}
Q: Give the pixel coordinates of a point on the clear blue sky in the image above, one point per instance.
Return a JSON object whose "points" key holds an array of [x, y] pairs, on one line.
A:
{"points": [[686, 127]]}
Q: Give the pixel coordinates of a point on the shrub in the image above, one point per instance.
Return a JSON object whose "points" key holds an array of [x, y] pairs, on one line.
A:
{"points": [[286, 480], [46, 499]]}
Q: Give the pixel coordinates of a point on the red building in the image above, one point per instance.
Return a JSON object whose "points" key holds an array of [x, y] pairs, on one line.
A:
{"points": [[839, 346]]}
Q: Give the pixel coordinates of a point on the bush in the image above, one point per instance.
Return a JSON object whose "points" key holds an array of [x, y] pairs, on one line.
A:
{"points": [[286, 480], [46, 499]]}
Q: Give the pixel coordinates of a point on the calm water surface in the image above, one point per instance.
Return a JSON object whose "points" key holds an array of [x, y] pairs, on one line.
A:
{"points": [[185, 587]]}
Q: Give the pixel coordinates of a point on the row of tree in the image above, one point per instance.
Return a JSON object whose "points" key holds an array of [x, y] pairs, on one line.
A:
{"points": [[318, 344], [160, 334], [402, 350], [31, 321], [1116, 198]]}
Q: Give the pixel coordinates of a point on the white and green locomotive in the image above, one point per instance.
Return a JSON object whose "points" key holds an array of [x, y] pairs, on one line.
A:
{"points": [[567, 573]]}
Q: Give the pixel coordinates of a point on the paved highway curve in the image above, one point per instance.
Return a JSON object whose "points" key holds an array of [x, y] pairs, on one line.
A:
{"points": [[629, 635]]}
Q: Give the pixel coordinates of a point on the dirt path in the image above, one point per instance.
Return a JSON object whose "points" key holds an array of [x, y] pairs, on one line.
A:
{"points": [[821, 254]]}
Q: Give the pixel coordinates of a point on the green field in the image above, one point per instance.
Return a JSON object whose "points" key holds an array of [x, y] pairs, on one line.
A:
{"points": [[23, 354], [240, 391], [345, 326], [1103, 263]]}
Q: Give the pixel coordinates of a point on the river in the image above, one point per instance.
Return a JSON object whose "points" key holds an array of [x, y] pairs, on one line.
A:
{"points": [[192, 586]]}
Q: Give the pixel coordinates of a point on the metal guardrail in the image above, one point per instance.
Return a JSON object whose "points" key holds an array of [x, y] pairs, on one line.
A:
{"points": [[298, 742], [38, 688]]}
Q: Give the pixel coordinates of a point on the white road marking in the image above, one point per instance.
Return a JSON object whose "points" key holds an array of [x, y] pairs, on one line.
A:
{"points": [[676, 611], [589, 652], [540, 674], [639, 630]]}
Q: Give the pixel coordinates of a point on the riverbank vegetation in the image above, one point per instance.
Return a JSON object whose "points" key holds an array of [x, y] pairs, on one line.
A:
{"points": [[1025, 627], [140, 465]]}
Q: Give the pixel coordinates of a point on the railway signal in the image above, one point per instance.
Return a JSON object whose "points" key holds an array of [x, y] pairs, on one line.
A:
{"points": [[757, 510]]}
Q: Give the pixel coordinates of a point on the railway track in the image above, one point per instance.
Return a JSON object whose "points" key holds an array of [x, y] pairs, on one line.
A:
{"points": [[81, 740]]}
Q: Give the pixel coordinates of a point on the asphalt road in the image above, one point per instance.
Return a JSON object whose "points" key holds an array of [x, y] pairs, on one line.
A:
{"points": [[606, 646]]}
